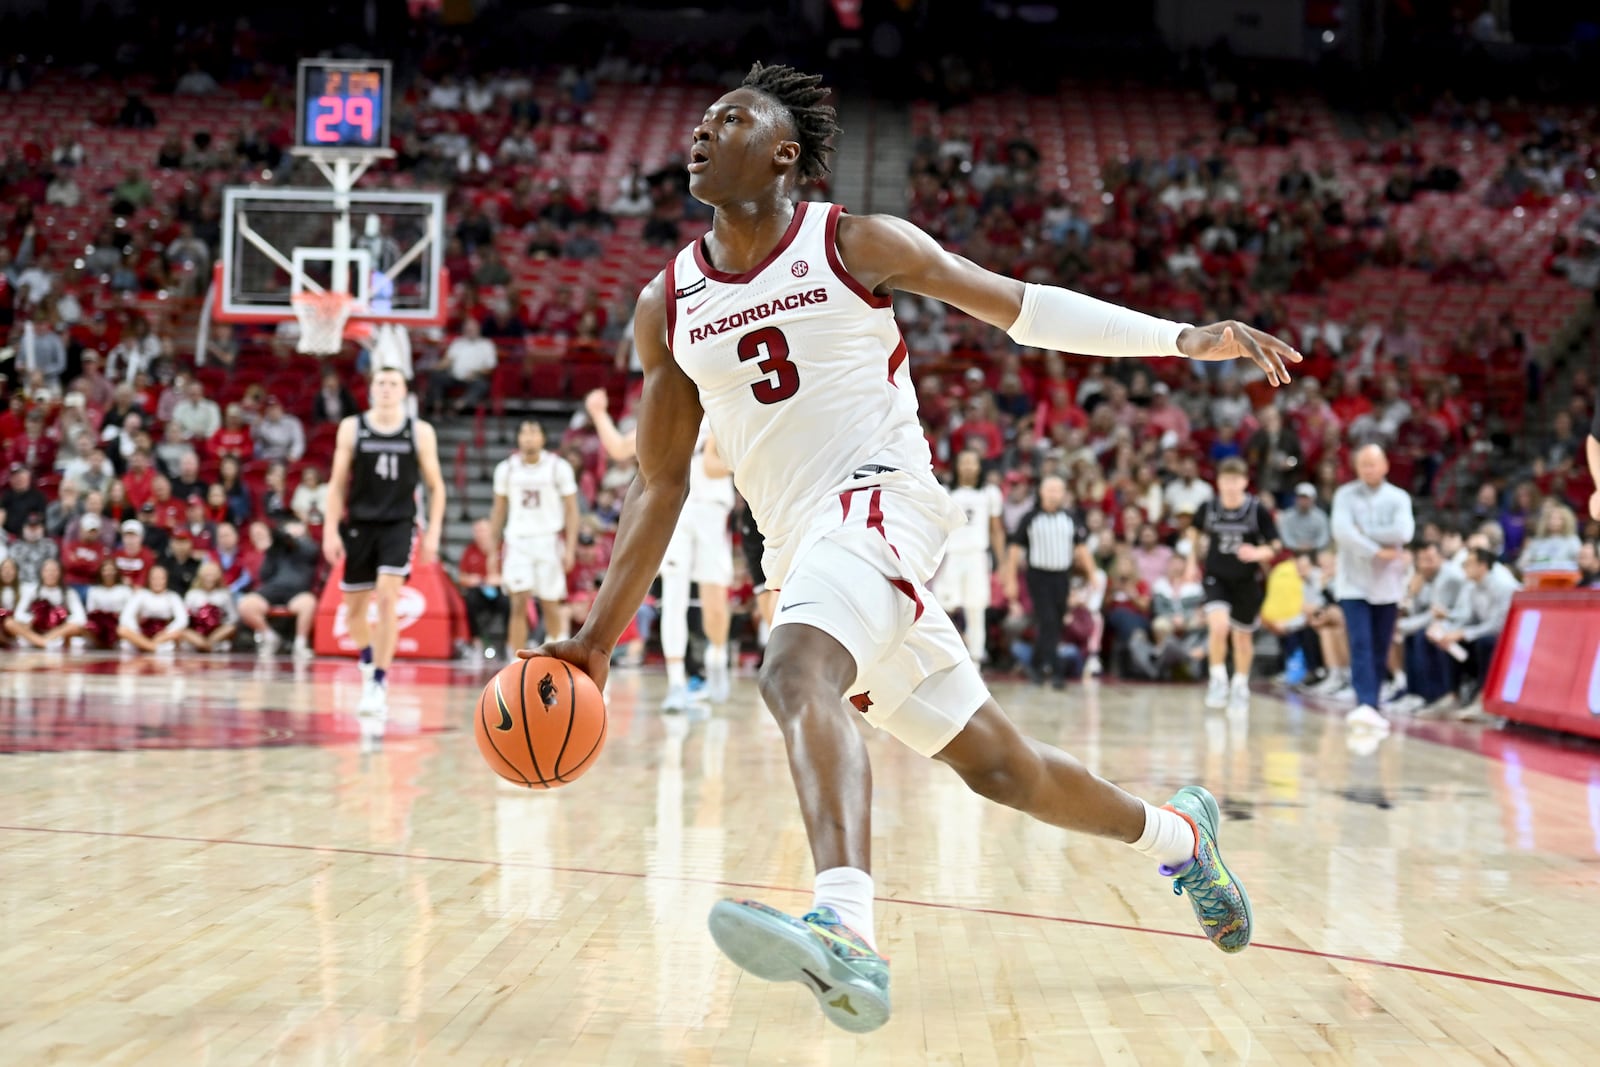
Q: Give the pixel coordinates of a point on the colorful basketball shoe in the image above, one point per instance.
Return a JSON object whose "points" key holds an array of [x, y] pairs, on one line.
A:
{"points": [[849, 979], [1219, 900]]}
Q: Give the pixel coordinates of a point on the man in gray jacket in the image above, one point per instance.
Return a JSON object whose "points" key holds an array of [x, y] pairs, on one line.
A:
{"points": [[1304, 527], [1475, 623], [1372, 524], [1435, 585]]}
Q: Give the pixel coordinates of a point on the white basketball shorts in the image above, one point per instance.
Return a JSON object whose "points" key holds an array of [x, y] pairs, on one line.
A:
{"points": [[533, 565], [860, 575], [701, 545]]}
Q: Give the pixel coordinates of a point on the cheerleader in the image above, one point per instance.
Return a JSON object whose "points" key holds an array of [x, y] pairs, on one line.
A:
{"points": [[155, 617], [212, 618], [103, 606], [10, 599], [51, 613]]}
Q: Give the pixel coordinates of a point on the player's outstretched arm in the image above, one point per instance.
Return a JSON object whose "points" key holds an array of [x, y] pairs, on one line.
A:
{"points": [[884, 252], [433, 481], [344, 448], [618, 445], [669, 415]]}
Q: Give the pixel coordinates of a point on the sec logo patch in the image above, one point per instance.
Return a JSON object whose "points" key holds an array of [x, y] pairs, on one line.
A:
{"points": [[800, 269]]}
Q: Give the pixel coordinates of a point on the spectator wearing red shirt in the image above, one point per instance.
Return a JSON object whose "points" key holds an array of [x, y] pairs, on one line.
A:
{"points": [[133, 559], [32, 448], [230, 556], [82, 555], [1166, 417], [980, 431], [480, 589], [557, 317], [201, 530], [14, 418], [1351, 403], [139, 481], [168, 511], [234, 439]]}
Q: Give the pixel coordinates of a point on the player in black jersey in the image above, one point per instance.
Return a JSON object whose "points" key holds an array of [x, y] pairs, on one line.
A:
{"points": [[1241, 537], [383, 454]]}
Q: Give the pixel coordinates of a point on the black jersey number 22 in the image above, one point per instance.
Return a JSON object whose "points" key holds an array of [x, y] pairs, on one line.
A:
{"points": [[772, 348]]}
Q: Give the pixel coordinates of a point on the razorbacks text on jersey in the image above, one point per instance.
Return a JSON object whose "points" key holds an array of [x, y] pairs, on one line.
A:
{"points": [[384, 474], [801, 371], [535, 494]]}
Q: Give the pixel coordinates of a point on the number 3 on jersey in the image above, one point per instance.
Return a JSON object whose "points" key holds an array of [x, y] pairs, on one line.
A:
{"points": [[770, 346]]}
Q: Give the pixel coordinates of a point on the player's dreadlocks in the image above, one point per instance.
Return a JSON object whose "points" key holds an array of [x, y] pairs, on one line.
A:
{"points": [[803, 96]]}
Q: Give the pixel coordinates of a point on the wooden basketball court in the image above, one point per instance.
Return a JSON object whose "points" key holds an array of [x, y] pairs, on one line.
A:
{"points": [[205, 862]]}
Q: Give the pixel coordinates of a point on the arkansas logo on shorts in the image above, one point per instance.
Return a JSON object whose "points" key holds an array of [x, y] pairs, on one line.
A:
{"points": [[408, 609]]}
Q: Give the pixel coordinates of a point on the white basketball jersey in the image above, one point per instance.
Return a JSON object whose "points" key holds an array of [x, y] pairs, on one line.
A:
{"points": [[534, 494], [979, 506], [801, 372], [704, 489]]}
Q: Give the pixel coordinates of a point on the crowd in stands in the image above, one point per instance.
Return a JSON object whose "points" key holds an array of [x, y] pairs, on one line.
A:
{"points": [[194, 472]]}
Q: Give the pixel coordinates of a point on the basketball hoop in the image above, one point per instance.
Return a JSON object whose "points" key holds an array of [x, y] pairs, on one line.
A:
{"points": [[322, 317]]}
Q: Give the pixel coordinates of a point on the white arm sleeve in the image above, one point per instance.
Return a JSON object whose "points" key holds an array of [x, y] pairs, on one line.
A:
{"points": [[1064, 321]]}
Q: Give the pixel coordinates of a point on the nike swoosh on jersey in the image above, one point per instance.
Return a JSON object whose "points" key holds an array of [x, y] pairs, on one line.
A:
{"points": [[692, 310], [798, 604]]}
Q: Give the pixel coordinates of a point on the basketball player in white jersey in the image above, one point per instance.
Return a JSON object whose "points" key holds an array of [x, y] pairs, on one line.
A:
{"points": [[777, 326], [701, 551], [965, 575], [370, 522], [535, 516]]}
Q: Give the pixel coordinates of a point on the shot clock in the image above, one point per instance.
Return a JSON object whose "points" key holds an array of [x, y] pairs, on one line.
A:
{"points": [[343, 104]]}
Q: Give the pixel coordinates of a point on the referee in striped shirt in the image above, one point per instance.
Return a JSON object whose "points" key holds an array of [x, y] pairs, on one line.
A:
{"points": [[1043, 547]]}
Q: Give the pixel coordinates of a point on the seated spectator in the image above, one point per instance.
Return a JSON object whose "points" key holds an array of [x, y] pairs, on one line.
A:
{"points": [[1304, 527], [289, 562], [1175, 643], [173, 448], [235, 439], [333, 401], [1150, 556], [1589, 565], [62, 510], [133, 558], [82, 553], [33, 448], [103, 605], [279, 435], [180, 561], [154, 619], [1431, 594], [1127, 601], [1554, 545], [33, 549], [235, 563], [470, 363], [1474, 626], [480, 588], [49, 613], [19, 499], [275, 494], [196, 416], [310, 501], [1187, 491], [213, 620]]}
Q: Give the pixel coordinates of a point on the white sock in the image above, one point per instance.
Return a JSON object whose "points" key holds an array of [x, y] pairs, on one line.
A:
{"points": [[1219, 673], [717, 658], [676, 679], [1168, 838], [848, 891], [1241, 681]]}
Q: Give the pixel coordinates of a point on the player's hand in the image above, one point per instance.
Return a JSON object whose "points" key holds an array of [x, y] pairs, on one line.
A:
{"points": [[569, 560], [590, 659], [428, 551], [332, 546], [1222, 341], [596, 403], [1386, 555]]}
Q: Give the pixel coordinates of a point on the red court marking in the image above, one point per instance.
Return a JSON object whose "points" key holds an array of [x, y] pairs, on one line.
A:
{"points": [[1093, 923]]}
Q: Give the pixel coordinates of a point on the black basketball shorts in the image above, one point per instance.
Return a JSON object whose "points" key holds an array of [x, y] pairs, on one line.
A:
{"points": [[1242, 597], [374, 548]]}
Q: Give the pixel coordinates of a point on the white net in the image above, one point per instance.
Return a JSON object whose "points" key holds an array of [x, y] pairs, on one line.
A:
{"points": [[322, 317]]}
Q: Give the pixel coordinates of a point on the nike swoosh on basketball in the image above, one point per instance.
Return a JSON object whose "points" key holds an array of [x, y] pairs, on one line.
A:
{"points": [[505, 712], [798, 604]]}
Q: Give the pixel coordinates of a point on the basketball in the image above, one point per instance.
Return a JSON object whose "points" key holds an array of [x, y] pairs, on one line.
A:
{"points": [[540, 723]]}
